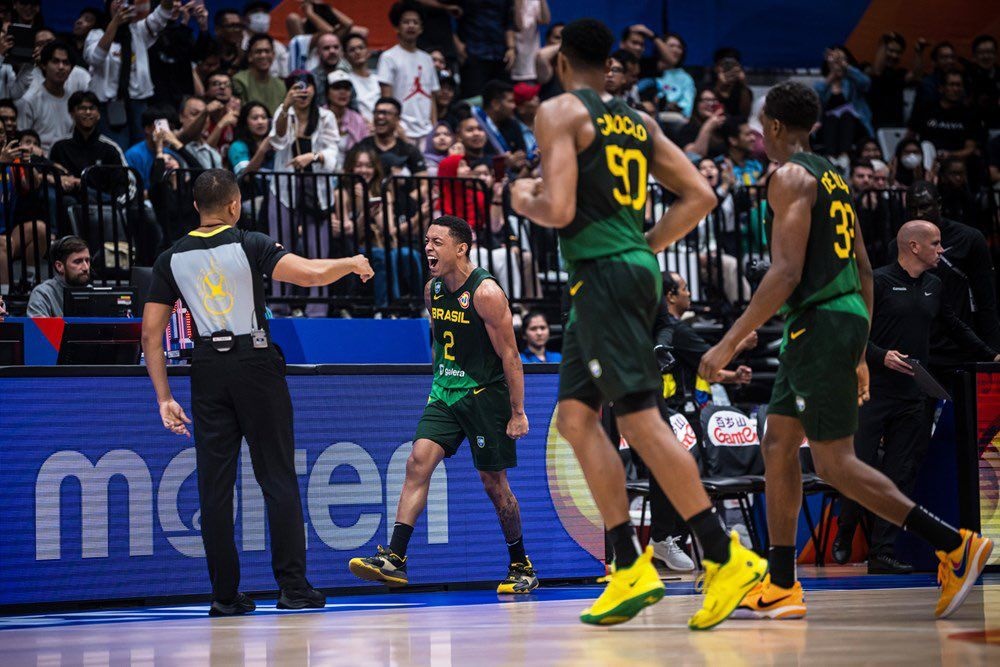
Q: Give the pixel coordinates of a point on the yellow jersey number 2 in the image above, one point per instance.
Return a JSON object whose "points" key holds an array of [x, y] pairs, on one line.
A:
{"points": [[628, 192], [449, 339], [844, 245]]}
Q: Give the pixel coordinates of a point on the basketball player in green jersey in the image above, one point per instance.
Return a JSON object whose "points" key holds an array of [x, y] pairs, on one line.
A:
{"points": [[820, 278], [597, 154], [477, 395]]}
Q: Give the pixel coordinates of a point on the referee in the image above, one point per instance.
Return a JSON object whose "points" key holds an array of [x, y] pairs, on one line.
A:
{"points": [[238, 386], [908, 300]]}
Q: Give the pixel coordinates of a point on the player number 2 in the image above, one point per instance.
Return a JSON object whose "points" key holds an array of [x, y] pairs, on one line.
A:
{"points": [[628, 192], [449, 339], [845, 229]]}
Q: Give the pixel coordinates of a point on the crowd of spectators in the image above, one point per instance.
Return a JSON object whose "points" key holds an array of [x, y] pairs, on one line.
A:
{"points": [[455, 96]]}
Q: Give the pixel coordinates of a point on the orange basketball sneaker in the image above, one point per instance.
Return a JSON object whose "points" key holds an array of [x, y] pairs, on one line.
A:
{"points": [[958, 571], [768, 600]]}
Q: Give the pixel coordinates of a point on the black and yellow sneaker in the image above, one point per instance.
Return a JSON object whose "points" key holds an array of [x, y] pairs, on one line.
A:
{"points": [[521, 578], [384, 566]]}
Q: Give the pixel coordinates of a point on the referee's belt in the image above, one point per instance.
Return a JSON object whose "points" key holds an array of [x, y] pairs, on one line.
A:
{"points": [[226, 342]]}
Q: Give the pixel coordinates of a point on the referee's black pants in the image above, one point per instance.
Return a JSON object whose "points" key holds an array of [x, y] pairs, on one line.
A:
{"points": [[898, 425], [237, 394]]}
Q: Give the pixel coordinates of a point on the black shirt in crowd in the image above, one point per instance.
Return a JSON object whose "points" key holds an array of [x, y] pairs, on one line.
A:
{"points": [[886, 97], [219, 275], [948, 129], [687, 346], [78, 153], [904, 312]]}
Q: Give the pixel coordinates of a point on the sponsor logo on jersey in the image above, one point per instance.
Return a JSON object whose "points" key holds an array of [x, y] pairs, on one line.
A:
{"points": [[463, 300], [437, 288], [447, 315]]}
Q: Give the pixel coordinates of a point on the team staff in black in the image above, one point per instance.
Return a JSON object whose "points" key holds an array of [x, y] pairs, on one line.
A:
{"points": [[238, 386], [908, 300]]}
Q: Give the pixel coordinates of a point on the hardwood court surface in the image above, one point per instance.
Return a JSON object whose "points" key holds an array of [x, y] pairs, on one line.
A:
{"points": [[853, 620]]}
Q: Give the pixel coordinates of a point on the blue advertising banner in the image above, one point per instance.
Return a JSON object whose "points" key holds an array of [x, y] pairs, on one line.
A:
{"points": [[99, 502]]}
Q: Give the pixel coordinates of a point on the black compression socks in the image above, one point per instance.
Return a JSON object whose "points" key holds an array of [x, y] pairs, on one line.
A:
{"points": [[400, 539], [625, 543], [516, 551], [923, 524], [781, 565], [707, 527]]}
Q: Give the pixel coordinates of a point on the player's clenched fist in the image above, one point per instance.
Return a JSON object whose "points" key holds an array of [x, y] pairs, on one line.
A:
{"points": [[517, 427]]}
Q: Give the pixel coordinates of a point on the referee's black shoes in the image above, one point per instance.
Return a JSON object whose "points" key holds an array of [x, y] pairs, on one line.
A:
{"points": [[240, 605], [887, 564], [301, 598]]}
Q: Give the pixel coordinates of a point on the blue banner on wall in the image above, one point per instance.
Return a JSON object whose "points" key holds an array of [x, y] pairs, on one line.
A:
{"points": [[99, 502]]}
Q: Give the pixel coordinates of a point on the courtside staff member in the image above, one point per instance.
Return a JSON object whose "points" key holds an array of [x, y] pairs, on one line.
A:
{"points": [[238, 386]]}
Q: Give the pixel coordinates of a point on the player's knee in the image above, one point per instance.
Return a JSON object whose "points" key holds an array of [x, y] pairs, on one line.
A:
{"points": [[570, 426], [419, 466], [831, 466]]}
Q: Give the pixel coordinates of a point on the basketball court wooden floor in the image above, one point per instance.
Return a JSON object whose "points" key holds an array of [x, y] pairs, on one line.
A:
{"points": [[853, 620]]}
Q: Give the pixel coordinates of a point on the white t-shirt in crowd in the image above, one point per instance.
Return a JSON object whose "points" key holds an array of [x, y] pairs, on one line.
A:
{"points": [[526, 42], [414, 80], [79, 79], [367, 91], [46, 114]]}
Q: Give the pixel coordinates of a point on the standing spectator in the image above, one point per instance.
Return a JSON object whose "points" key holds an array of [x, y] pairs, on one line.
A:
{"points": [[31, 76], [88, 147], [366, 85], [88, 19], [408, 74], [634, 40], [230, 31], [907, 165], [124, 91], [528, 15], [255, 84], [330, 54], [872, 211], [193, 115], [386, 142], [675, 87], [957, 200], [438, 34], [535, 332], [718, 240], [472, 136], [8, 116], [944, 61], [252, 150], [44, 109], [846, 116], [71, 261], [257, 19], [545, 62], [28, 12], [485, 43], [318, 18], [703, 135], [984, 80], [740, 139], [223, 114], [438, 146], [730, 83], [889, 79], [172, 56], [947, 123], [350, 123]]}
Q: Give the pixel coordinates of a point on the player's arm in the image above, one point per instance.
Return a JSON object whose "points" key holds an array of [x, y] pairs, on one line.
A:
{"points": [[791, 195], [672, 168], [864, 271], [427, 303], [154, 320], [491, 304], [318, 272], [552, 202]]}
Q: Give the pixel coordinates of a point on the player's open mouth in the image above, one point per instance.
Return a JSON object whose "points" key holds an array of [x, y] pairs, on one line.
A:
{"points": [[432, 262]]}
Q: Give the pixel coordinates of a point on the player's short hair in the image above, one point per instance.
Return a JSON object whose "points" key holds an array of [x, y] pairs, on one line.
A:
{"points": [[587, 43], [458, 228], [66, 246], [399, 8], [214, 188], [495, 90], [794, 104]]}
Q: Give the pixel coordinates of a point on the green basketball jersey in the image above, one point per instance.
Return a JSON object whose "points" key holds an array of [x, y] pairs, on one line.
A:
{"points": [[612, 184], [830, 277], [464, 357]]}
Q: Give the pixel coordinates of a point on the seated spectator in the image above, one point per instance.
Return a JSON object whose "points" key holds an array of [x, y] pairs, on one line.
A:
{"points": [[869, 150], [907, 165], [740, 139], [141, 155], [536, 334], [503, 131], [257, 20], [71, 262], [222, 115], [172, 56], [88, 147], [527, 101], [872, 211], [78, 79], [8, 115], [930, 90], [256, 84], [845, 115], [438, 146], [124, 92], [616, 78], [730, 83], [445, 105], [957, 200], [366, 85], [634, 40], [984, 80], [44, 109], [252, 151], [528, 15], [485, 41], [675, 88], [703, 135], [889, 79], [440, 61], [193, 116], [471, 136], [407, 73], [350, 124], [21, 238], [947, 123], [207, 61], [330, 54], [385, 140]]}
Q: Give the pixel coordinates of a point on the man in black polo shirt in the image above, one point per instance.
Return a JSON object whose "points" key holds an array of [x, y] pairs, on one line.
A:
{"points": [[908, 298], [238, 386], [948, 123], [88, 147]]}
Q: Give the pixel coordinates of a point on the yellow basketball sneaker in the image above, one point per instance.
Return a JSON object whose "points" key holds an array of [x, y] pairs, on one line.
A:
{"points": [[629, 591], [726, 585], [768, 600], [958, 571]]}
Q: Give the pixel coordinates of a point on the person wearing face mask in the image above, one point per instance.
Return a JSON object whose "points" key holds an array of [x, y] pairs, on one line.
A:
{"points": [[257, 17], [907, 164]]}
